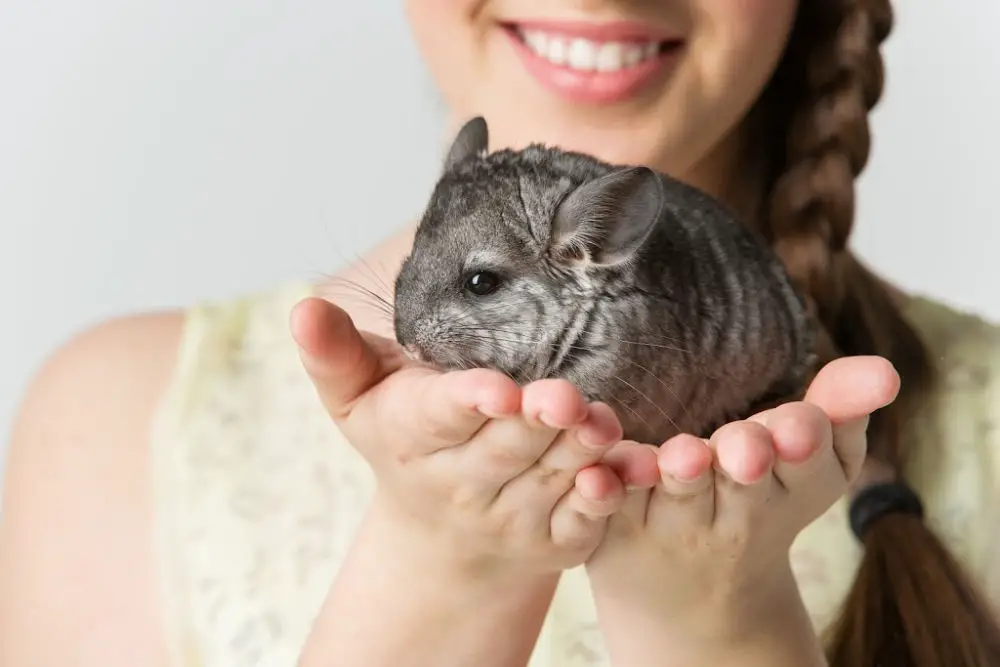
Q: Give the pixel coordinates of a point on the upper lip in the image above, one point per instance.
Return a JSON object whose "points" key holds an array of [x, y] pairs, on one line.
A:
{"points": [[611, 31]]}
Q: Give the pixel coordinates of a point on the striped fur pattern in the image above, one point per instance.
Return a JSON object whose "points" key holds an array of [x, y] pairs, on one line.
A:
{"points": [[643, 292]]}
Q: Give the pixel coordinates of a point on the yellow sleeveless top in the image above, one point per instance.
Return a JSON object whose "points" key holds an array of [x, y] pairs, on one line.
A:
{"points": [[258, 496]]}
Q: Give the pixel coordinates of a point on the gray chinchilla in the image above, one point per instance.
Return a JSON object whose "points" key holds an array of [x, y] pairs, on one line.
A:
{"points": [[643, 292]]}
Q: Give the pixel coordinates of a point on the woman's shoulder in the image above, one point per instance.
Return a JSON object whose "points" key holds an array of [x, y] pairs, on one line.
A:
{"points": [[964, 347], [940, 315], [949, 329], [102, 382], [78, 477], [954, 439], [76, 481], [135, 359]]}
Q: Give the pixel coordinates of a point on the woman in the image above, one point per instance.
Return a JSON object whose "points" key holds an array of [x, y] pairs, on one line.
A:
{"points": [[202, 509]]}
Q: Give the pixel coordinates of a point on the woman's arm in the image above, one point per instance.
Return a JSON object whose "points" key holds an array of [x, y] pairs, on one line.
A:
{"points": [[769, 628], [397, 601]]}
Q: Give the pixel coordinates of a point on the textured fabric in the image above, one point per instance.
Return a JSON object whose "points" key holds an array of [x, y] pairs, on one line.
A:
{"points": [[259, 497]]}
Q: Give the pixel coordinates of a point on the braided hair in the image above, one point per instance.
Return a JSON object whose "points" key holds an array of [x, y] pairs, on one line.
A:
{"points": [[911, 604]]}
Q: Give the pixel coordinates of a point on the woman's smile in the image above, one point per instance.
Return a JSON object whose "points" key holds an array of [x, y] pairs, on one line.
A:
{"points": [[593, 63]]}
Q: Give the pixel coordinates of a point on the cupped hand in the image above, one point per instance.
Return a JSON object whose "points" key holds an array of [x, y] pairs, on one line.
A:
{"points": [[715, 533], [495, 474]]}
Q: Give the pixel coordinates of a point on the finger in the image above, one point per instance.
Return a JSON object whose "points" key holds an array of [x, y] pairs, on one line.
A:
{"points": [[802, 438], [851, 388], [447, 409], [635, 464], [580, 446], [555, 404], [744, 453], [685, 497], [684, 462], [505, 448], [341, 363], [599, 492], [850, 445], [578, 516]]}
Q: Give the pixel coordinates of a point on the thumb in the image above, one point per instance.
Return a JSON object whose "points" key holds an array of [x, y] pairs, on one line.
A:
{"points": [[341, 362], [851, 388]]}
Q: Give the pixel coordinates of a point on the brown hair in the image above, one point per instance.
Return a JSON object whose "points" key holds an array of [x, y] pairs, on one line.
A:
{"points": [[911, 605]]}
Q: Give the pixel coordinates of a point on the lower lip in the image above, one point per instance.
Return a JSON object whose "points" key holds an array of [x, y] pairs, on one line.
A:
{"points": [[593, 87]]}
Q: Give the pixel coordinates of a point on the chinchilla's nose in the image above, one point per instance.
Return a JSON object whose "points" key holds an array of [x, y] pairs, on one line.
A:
{"points": [[415, 353], [404, 328], [414, 332]]}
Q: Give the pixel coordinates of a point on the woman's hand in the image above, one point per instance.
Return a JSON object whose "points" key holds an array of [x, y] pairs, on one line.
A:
{"points": [[697, 568], [500, 476], [485, 492]]}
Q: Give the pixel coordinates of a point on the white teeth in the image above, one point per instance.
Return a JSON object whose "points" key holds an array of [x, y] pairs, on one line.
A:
{"points": [[555, 51], [633, 55], [610, 57], [582, 55], [587, 56], [536, 40]]}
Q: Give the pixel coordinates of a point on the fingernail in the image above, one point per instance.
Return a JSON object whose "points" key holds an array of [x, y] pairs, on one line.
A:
{"points": [[684, 480]]}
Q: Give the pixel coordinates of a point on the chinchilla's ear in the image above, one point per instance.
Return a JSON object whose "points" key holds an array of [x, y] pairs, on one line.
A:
{"points": [[472, 139], [606, 220]]}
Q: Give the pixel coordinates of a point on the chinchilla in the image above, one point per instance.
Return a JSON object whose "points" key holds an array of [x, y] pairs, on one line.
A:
{"points": [[642, 291]]}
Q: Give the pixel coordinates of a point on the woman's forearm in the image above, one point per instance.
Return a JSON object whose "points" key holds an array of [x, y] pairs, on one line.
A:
{"points": [[769, 630], [399, 601]]}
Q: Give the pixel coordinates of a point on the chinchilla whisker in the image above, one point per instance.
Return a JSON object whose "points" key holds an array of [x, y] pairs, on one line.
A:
{"points": [[377, 307], [637, 343], [359, 262], [650, 401], [381, 278], [489, 336], [461, 346], [496, 309], [368, 301], [587, 331], [661, 346], [631, 410], [377, 279], [364, 289], [366, 295], [635, 364], [581, 348], [666, 386]]}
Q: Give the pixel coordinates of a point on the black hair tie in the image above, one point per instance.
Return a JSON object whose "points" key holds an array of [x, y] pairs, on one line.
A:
{"points": [[878, 500]]}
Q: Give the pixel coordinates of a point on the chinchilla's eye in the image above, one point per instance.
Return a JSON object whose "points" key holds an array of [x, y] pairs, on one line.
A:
{"points": [[482, 283]]}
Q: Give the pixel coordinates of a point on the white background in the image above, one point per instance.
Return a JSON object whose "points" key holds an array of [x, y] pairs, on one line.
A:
{"points": [[159, 152]]}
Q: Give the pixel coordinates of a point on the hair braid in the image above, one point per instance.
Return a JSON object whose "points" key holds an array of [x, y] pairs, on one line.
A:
{"points": [[911, 605]]}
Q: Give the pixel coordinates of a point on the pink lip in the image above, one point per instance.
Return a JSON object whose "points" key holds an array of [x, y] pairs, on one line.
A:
{"points": [[618, 31], [594, 87]]}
